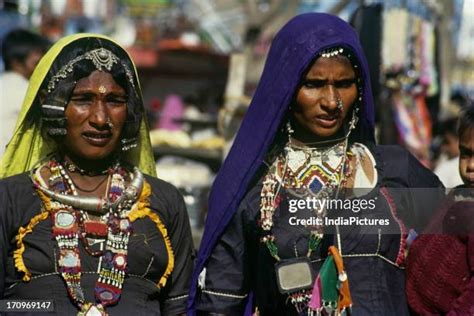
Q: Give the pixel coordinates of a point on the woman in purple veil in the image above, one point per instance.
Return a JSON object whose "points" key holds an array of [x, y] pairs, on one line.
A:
{"points": [[308, 136]]}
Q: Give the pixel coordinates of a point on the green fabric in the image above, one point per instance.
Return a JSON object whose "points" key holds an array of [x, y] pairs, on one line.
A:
{"points": [[329, 278], [28, 148]]}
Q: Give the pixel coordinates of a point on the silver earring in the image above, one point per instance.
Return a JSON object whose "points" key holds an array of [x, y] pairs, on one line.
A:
{"points": [[289, 129], [290, 132], [354, 119]]}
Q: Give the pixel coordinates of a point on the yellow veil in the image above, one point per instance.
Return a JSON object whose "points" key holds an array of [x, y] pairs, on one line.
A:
{"points": [[28, 147]]}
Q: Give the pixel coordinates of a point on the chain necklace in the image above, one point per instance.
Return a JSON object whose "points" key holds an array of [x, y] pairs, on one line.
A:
{"points": [[92, 189], [71, 167]]}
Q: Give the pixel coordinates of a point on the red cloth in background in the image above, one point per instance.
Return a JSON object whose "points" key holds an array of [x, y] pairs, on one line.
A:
{"points": [[440, 267]]}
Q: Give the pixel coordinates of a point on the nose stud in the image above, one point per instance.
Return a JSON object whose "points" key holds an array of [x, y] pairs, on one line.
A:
{"points": [[340, 104], [102, 89]]}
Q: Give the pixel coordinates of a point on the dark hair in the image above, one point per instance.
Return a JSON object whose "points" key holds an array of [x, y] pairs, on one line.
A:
{"points": [[449, 126], [53, 119], [19, 44], [466, 121]]}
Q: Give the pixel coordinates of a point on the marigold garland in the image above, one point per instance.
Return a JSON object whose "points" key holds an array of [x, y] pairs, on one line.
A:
{"points": [[142, 209], [22, 232]]}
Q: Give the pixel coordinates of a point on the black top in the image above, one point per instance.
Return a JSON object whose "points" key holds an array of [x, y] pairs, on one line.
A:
{"points": [[147, 255], [373, 256]]}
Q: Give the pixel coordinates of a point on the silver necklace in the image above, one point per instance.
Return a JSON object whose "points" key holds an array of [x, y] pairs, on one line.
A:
{"points": [[92, 203]]}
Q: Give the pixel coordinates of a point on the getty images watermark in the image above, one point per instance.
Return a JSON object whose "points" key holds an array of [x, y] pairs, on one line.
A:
{"points": [[318, 205]]}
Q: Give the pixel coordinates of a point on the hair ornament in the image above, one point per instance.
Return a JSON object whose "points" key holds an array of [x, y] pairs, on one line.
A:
{"points": [[101, 58], [128, 143], [328, 53], [53, 107]]}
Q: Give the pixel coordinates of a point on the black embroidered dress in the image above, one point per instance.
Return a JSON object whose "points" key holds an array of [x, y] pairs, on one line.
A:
{"points": [[374, 260], [148, 257]]}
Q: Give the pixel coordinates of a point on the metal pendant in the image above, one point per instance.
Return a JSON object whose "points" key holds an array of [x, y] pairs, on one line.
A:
{"points": [[90, 309], [294, 275]]}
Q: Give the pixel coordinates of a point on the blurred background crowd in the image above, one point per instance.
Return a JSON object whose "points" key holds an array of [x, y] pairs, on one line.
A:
{"points": [[199, 62]]}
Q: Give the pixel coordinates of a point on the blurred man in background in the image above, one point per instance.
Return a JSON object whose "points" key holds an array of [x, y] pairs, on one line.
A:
{"points": [[21, 52]]}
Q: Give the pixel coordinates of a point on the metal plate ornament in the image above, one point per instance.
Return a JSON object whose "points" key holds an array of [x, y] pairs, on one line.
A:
{"points": [[294, 275], [64, 219], [69, 259]]}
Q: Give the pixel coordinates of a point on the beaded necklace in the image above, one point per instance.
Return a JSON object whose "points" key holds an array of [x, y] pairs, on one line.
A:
{"points": [[71, 167], [304, 172], [70, 225]]}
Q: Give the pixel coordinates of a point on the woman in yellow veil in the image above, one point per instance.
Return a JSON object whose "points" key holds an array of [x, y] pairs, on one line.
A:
{"points": [[83, 222]]}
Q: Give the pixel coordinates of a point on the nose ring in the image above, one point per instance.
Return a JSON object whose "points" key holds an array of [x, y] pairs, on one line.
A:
{"points": [[109, 123], [340, 104]]}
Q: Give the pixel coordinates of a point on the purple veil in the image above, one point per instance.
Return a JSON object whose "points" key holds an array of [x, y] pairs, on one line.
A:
{"points": [[293, 49]]}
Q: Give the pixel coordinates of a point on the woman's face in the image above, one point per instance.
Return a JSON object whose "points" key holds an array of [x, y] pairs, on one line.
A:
{"points": [[328, 82], [95, 115]]}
